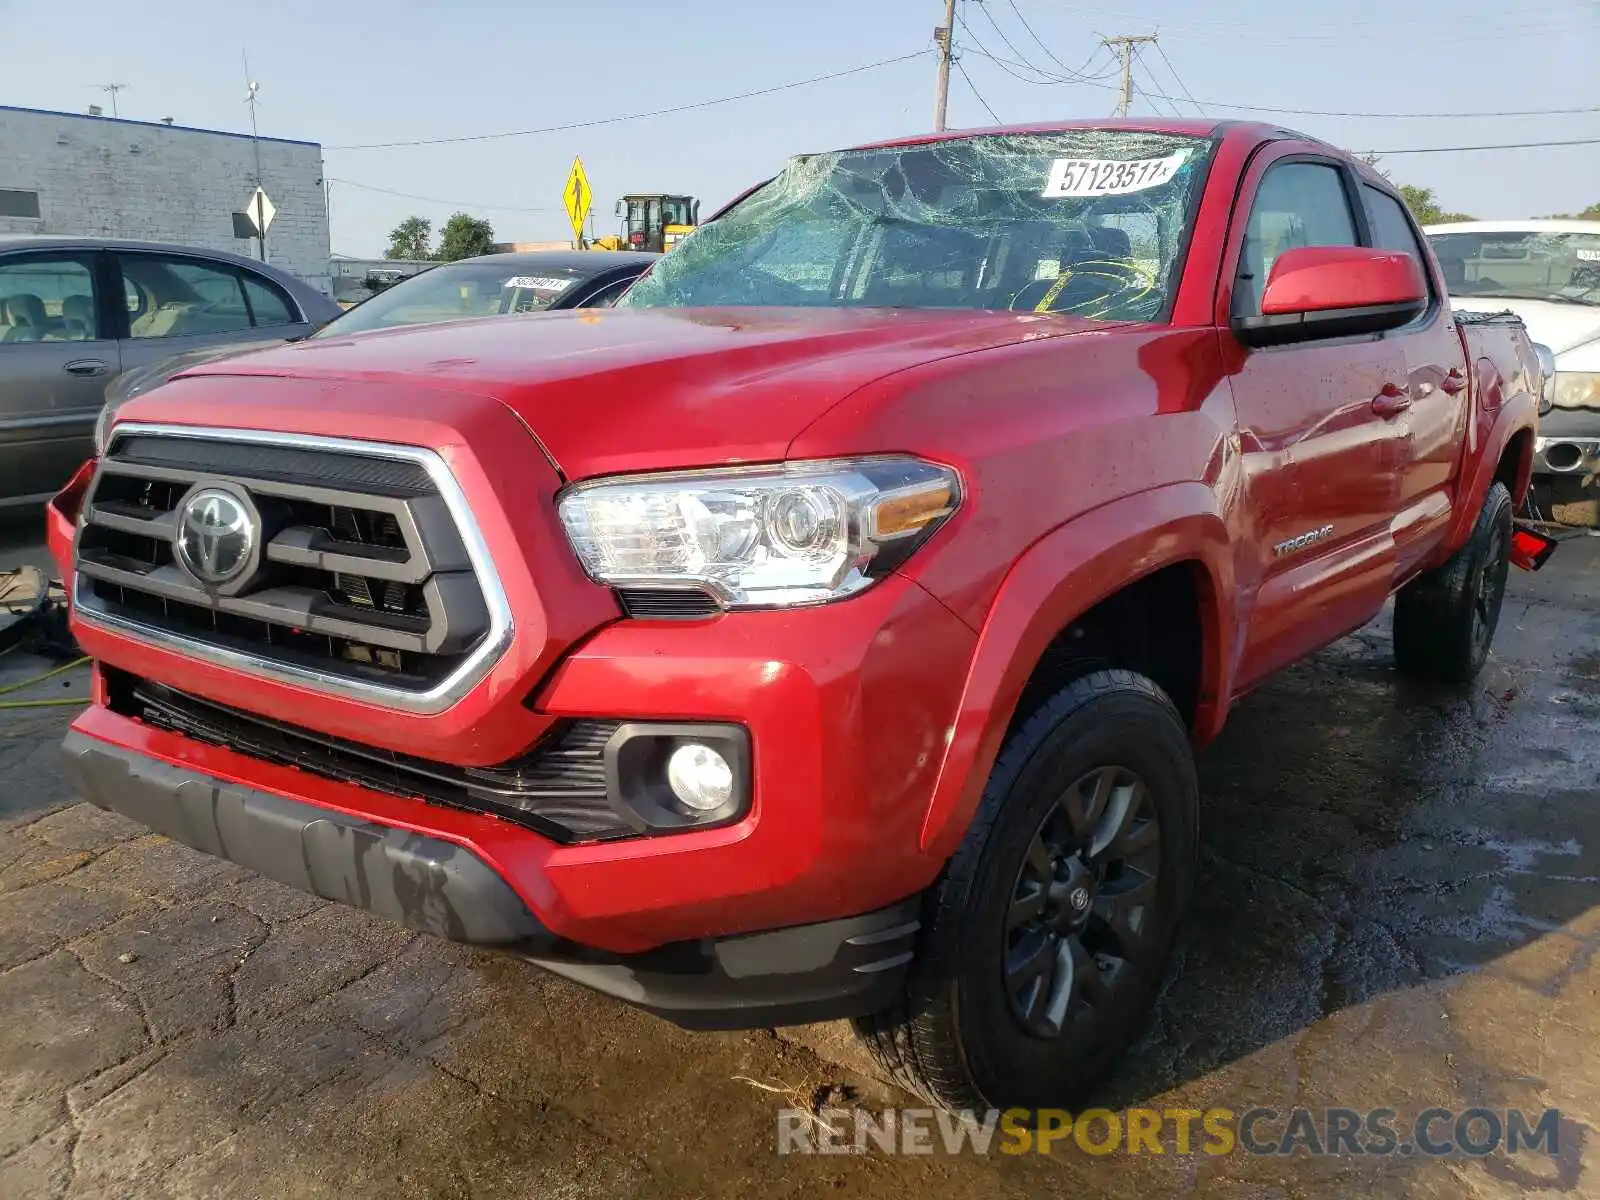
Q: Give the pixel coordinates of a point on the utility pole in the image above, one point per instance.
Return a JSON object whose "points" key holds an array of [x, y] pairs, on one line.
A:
{"points": [[1123, 47], [944, 39]]}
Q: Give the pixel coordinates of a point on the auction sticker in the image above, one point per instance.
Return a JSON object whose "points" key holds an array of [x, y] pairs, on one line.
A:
{"points": [[1103, 177], [539, 283]]}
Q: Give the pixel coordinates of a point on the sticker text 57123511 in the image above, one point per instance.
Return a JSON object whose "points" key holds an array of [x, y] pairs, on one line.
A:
{"points": [[1103, 177]]}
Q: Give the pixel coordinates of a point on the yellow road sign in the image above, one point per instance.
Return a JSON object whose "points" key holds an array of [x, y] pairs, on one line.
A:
{"points": [[576, 197]]}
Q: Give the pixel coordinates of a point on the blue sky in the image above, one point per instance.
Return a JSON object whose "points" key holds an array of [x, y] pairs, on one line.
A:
{"points": [[361, 71]]}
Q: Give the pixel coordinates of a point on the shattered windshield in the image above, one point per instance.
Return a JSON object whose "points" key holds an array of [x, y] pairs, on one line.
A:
{"points": [[1520, 264], [1090, 222]]}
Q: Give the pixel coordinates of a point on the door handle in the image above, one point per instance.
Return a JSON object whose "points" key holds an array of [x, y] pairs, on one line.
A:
{"points": [[86, 368], [1391, 401], [1454, 382]]}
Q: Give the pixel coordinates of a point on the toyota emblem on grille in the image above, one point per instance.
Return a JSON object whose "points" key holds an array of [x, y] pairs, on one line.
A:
{"points": [[216, 534]]}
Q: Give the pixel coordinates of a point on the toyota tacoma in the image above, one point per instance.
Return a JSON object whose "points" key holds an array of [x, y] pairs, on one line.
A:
{"points": [[829, 629]]}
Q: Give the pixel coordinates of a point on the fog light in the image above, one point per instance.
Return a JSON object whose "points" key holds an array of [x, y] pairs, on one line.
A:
{"points": [[669, 776], [700, 777]]}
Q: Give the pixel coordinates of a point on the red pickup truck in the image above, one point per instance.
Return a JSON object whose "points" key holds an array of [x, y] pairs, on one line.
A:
{"points": [[828, 629]]}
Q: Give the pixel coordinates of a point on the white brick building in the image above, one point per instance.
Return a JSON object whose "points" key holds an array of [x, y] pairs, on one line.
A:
{"points": [[95, 175]]}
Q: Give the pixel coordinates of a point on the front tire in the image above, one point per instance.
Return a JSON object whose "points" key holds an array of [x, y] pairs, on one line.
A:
{"points": [[1444, 622], [1044, 941]]}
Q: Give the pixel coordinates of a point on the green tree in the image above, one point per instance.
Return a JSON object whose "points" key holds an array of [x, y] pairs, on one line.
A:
{"points": [[464, 236], [1592, 213], [411, 239], [1425, 207]]}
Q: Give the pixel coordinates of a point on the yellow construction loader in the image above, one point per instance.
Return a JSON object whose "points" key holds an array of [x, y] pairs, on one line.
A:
{"points": [[653, 222]]}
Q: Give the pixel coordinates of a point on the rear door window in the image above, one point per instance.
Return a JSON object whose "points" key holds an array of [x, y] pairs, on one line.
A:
{"points": [[268, 306], [1392, 228]]}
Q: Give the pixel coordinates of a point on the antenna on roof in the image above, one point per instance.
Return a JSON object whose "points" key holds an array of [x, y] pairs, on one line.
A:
{"points": [[111, 89], [251, 88]]}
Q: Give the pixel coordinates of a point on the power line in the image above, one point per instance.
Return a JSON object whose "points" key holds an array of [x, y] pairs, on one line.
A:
{"points": [[1176, 78], [1011, 46], [458, 204], [1499, 146], [1079, 72], [1153, 106], [639, 116], [976, 92], [1049, 77], [1006, 64], [1171, 104], [1311, 112], [1340, 31]]}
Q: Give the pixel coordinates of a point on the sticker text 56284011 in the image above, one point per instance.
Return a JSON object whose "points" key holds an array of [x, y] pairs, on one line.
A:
{"points": [[1103, 177], [539, 283]]}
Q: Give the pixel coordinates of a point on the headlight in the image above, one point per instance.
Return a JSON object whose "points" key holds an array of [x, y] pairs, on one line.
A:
{"points": [[760, 537], [1577, 389]]}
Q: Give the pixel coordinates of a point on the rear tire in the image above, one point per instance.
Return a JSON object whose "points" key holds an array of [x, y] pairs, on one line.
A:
{"points": [[1045, 939], [1444, 622]]}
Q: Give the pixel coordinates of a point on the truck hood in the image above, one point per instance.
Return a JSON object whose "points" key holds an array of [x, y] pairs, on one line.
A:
{"points": [[649, 389], [1565, 328], [140, 380]]}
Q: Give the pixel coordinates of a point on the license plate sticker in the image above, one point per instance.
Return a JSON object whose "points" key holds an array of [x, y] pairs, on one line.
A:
{"points": [[1105, 177]]}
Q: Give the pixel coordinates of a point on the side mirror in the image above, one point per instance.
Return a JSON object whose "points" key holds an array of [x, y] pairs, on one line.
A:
{"points": [[1335, 291], [1547, 377]]}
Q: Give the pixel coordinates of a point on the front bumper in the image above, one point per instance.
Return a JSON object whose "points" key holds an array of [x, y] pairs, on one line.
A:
{"points": [[848, 707], [788, 976], [1576, 456]]}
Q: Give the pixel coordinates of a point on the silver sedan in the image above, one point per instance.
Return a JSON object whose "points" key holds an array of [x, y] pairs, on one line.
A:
{"points": [[76, 313]]}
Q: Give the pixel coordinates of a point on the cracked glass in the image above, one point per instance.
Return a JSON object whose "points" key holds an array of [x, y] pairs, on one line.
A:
{"points": [[1087, 222]]}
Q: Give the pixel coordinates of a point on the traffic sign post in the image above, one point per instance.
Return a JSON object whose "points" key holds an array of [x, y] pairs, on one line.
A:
{"points": [[577, 198], [261, 211]]}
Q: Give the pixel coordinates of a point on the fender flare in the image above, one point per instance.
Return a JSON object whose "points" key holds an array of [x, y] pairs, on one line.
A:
{"points": [[1060, 577], [1519, 414]]}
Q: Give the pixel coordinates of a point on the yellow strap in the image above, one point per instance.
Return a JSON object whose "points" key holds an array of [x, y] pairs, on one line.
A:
{"points": [[1049, 298]]}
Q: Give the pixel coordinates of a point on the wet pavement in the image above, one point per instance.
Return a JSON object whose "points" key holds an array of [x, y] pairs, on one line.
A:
{"points": [[1396, 909]]}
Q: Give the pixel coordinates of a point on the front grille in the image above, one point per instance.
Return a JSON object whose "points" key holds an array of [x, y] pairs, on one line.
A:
{"points": [[360, 575], [558, 789], [281, 464]]}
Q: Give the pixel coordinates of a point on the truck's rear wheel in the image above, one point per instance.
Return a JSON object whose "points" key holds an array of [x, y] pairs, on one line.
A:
{"points": [[1444, 622], [1045, 939]]}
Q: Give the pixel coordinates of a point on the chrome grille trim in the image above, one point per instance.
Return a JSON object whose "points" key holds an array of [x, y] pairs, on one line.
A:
{"points": [[435, 699]]}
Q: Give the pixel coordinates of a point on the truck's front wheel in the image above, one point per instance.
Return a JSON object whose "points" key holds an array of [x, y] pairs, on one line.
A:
{"points": [[1444, 622], [1045, 939]]}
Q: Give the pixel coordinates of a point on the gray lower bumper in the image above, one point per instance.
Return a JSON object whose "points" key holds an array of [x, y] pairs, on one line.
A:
{"points": [[422, 882], [790, 976]]}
